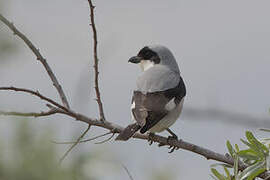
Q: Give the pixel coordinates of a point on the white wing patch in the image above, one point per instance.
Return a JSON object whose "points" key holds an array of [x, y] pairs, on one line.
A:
{"points": [[132, 107], [170, 105]]}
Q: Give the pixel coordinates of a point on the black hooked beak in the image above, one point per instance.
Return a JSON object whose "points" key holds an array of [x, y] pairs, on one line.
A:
{"points": [[135, 59]]}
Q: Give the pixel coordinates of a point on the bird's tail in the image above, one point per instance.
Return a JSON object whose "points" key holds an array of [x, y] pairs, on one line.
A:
{"points": [[128, 132]]}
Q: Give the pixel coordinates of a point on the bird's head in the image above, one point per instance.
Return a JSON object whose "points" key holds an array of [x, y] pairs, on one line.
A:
{"points": [[149, 56]]}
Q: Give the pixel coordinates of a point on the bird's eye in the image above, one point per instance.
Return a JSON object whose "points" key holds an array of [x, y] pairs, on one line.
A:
{"points": [[148, 55]]}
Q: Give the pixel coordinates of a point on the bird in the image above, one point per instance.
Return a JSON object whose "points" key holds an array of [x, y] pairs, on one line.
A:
{"points": [[157, 101]]}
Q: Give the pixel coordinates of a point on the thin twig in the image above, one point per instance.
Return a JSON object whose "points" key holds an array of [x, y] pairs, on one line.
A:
{"points": [[39, 58], [92, 18], [78, 140], [35, 93], [29, 114], [83, 141], [126, 169], [106, 140]]}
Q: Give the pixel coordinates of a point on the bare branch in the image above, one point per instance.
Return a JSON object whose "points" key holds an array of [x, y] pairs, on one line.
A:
{"points": [[83, 141], [39, 58], [35, 93], [29, 114], [208, 154], [114, 128], [78, 140], [106, 140], [126, 169], [100, 106]]}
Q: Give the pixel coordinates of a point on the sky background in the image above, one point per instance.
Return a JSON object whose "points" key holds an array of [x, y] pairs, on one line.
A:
{"points": [[222, 49]]}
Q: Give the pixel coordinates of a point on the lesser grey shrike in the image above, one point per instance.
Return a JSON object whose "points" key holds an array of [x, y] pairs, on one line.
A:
{"points": [[158, 100]]}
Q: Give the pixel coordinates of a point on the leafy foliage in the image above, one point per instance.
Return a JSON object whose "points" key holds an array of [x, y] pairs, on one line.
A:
{"points": [[256, 157]]}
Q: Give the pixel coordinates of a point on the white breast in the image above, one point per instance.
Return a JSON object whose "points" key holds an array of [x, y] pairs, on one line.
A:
{"points": [[146, 64]]}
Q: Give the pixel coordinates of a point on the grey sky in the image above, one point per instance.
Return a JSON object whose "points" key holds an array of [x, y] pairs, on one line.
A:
{"points": [[222, 48]]}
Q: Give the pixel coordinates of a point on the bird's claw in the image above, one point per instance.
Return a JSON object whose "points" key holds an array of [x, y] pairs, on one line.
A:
{"points": [[170, 138], [150, 135], [172, 148]]}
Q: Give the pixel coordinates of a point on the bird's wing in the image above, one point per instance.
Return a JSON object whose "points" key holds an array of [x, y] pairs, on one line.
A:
{"points": [[151, 107]]}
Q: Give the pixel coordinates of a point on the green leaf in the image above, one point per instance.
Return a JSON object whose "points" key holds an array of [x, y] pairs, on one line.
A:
{"points": [[236, 148], [213, 177], [255, 174], [230, 148], [221, 164], [252, 170], [257, 143], [266, 130], [265, 141], [227, 173], [248, 154], [249, 161], [217, 174], [256, 150], [235, 166], [267, 160]]}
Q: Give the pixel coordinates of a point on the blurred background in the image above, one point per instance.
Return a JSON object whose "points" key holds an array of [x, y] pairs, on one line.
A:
{"points": [[222, 48]]}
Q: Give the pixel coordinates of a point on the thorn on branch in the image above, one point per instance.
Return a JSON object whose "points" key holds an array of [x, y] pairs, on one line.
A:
{"points": [[92, 22]]}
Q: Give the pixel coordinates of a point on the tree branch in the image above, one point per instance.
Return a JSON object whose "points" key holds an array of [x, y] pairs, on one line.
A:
{"points": [[92, 18], [106, 140], [29, 114], [73, 145], [85, 140], [35, 93], [39, 58], [126, 169], [208, 154]]}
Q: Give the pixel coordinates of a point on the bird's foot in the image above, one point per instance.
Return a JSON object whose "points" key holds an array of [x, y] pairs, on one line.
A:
{"points": [[169, 139], [173, 137], [150, 139]]}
